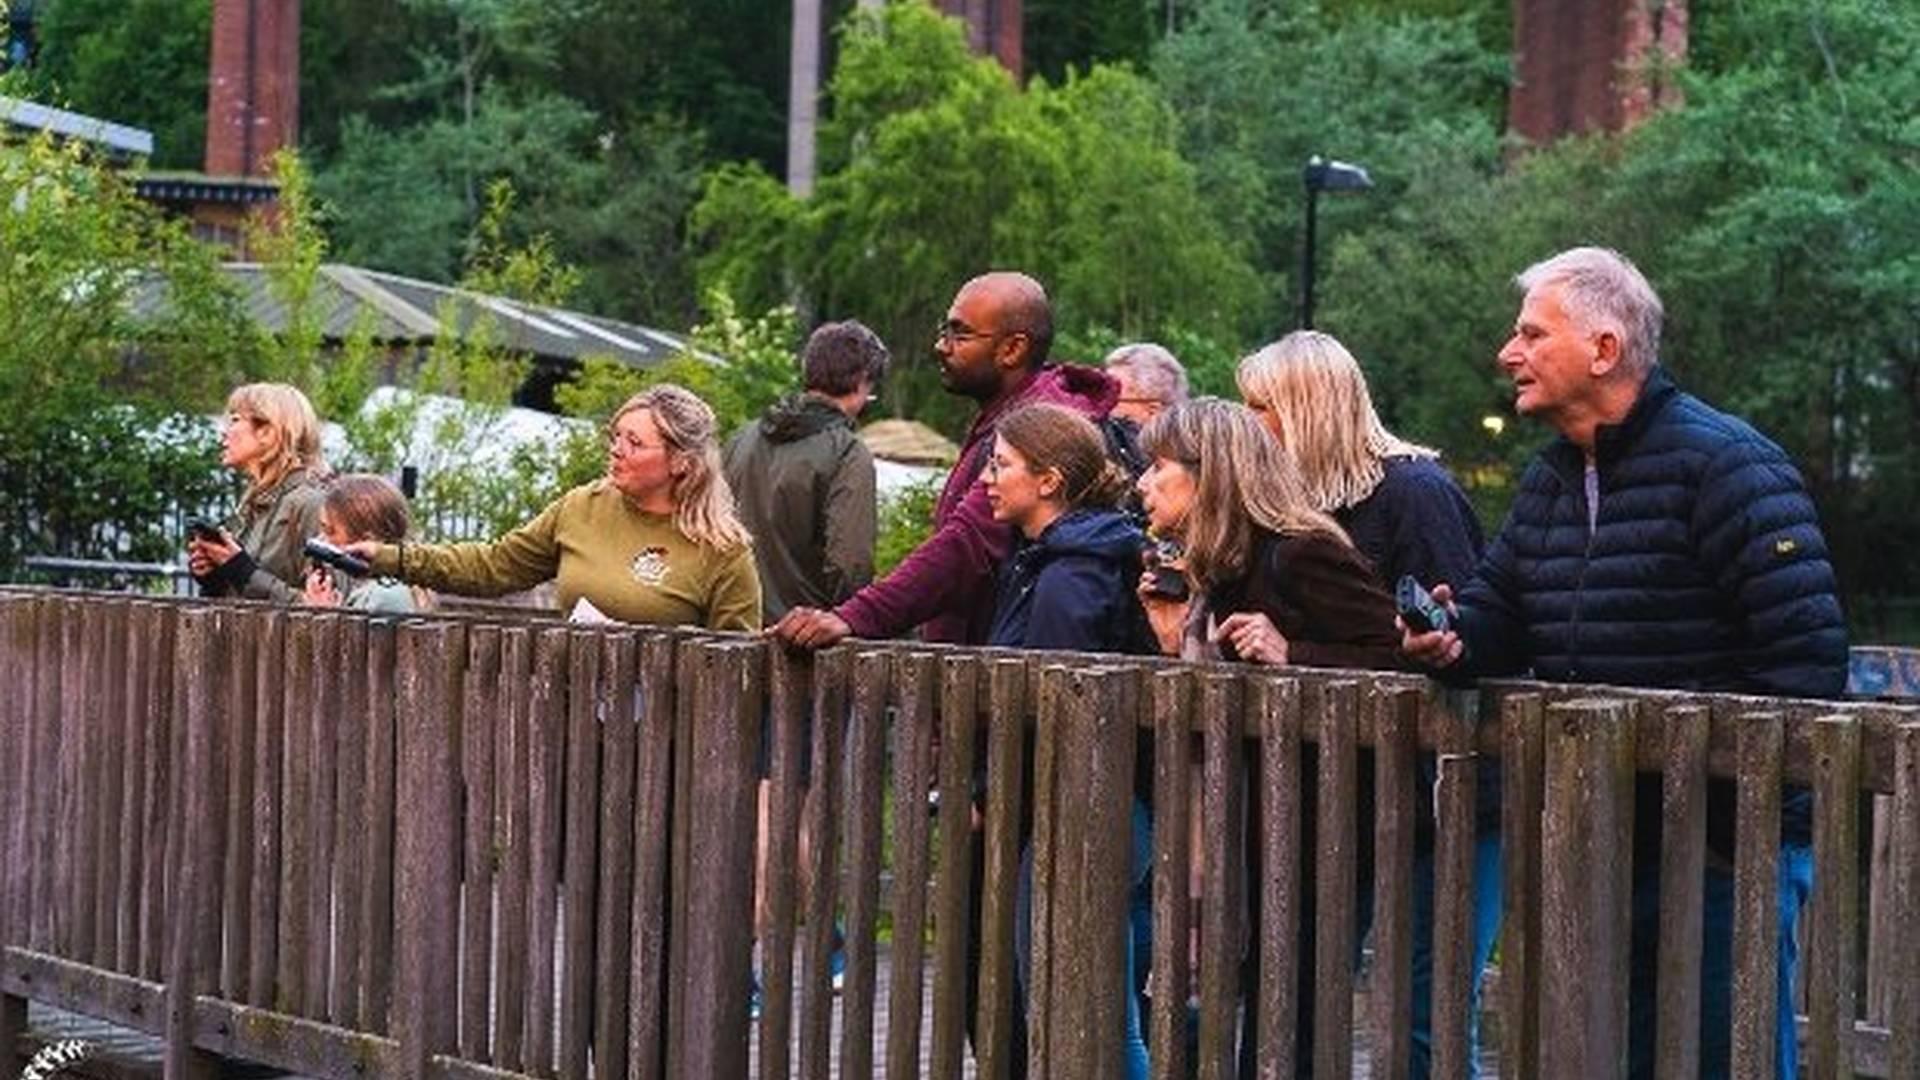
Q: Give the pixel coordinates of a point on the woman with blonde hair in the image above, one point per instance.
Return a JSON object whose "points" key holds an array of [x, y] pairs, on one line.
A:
{"points": [[1401, 508], [1409, 517], [655, 541], [272, 435]]}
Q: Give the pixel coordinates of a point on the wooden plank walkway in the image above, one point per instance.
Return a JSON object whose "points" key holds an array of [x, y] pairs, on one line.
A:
{"points": [[124, 1054]]}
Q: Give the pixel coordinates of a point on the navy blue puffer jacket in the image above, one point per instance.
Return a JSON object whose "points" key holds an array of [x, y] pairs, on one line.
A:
{"points": [[1706, 569]]}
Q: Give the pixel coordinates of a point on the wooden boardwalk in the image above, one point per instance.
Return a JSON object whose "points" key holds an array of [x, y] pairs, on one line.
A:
{"points": [[124, 1054]]}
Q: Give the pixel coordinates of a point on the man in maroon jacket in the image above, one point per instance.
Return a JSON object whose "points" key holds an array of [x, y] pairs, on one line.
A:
{"points": [[993, 348]]}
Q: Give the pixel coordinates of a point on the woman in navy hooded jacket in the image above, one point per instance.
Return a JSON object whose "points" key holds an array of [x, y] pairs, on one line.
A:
{"points": [[1069, 584]]}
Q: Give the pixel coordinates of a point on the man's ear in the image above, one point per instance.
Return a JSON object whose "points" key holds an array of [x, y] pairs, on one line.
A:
{"points": [[1607, 354], [1014, 349]]}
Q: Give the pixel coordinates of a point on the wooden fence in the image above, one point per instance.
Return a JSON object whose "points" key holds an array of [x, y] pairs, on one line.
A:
{"points": [[487, 847]]}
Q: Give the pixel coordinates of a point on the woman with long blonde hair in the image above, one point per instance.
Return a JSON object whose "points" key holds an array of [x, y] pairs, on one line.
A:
{"points": [[1409, 517], [1401, 508], [655, 541], [272, 436]]}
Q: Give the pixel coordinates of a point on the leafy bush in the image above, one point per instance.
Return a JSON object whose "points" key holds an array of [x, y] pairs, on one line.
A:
{"points": [[89, 374], [906, 519]]}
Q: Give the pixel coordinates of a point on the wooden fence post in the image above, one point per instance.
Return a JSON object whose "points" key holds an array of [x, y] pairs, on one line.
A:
{"points": [[1522, 766], [719, 942], [193, 943], [16, 784], [1756, 890], [1223, 842], [1006, 776], [1396, 719], [1091, 860], [1276, 705], [427, 892], [832, 672], [866, 761], [787, 708], [1336, 877], [1835, 917], [1172, 698], [954, 886], [1456, 825], [1586, 864], [1903, 975], [913, 723], [1683, 853]]}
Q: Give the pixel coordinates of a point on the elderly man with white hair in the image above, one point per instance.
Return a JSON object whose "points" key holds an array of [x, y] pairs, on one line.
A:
{"points": [[1656, 542], [1150, 380]]}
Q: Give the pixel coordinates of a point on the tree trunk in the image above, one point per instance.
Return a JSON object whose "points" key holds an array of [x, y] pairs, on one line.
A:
{"points": [[803, 96]]}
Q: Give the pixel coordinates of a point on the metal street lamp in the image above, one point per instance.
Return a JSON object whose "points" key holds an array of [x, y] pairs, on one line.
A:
{"points": [[1322, 174]]}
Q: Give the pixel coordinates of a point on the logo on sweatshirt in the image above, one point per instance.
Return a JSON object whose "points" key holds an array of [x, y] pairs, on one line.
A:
{"points": [[650, 566]]}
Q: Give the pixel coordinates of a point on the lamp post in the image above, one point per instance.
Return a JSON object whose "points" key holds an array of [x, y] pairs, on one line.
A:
{"points": [[1321, 175]]}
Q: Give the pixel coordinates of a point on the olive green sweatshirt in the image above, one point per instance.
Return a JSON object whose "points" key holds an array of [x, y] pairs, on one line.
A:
{"points": [[632, 565]]}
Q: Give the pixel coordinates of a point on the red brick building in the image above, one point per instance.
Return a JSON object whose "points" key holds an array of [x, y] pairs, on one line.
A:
{"points": [[993, 28], [1592, 65], [253, 110]]}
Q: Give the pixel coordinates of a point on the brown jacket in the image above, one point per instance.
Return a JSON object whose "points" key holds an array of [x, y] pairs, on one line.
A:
{"points": [[1321, 596]]}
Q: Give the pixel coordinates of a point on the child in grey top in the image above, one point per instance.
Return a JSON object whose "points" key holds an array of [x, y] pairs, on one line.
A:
{"points": [[362, 506]]}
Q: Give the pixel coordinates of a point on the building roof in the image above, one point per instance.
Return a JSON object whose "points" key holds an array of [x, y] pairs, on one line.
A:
{"points": [[400, 309], [117, 139], [909, 442]]}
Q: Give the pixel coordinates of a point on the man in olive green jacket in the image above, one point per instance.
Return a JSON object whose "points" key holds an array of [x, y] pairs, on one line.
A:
{"points": [[805, 482]]}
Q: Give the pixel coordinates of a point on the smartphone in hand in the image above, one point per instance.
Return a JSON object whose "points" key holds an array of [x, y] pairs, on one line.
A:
{"points": [[1167, 581], [1418, 609]]}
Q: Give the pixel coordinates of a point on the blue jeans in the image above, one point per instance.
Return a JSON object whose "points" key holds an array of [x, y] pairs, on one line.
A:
{"points": [[1716, 967], [1487, 906]]}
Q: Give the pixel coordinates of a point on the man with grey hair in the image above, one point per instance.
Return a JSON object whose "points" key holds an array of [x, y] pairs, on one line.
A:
{"points": [[1150, 380], [1657, 542]]}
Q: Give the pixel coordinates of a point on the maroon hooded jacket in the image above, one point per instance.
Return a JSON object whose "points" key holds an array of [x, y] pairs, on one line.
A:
{"points": [[947, 584]]}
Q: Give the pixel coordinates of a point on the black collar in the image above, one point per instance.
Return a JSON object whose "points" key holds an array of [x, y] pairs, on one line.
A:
{"points": [[1613, 441]]}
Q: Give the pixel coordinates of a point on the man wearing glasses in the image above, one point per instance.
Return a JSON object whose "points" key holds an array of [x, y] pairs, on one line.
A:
{"points": [[1151, 380], [993, 347]]}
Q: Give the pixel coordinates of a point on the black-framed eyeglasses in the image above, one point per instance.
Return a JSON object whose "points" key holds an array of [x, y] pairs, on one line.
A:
{"points": [[953, 332]]}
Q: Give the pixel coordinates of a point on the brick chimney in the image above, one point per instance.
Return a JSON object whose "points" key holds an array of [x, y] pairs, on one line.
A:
{"points": [[253, 85], [1592, 65], [993, 27]]}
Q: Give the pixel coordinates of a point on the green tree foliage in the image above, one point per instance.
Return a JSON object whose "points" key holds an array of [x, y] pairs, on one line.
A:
{"points": [[1260, 87], [111, 321], [1060, 35], [138, 62], [934, 167], [759, 367], [406, 182]]}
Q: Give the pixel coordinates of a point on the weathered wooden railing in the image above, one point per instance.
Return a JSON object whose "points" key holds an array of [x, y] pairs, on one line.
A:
{"points": [[475, 847]]}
